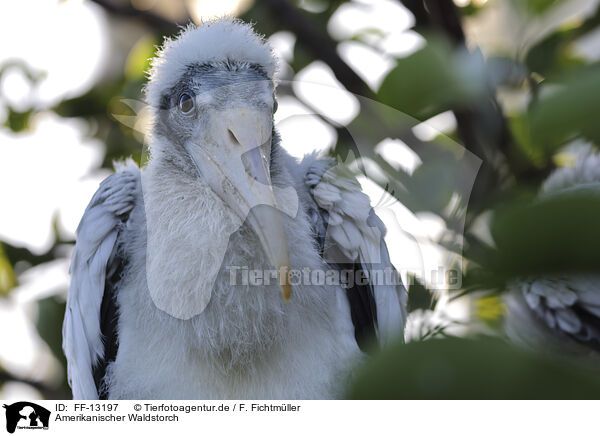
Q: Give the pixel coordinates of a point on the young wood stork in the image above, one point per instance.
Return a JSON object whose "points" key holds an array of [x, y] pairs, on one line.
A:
{"points": [[152, 311]]}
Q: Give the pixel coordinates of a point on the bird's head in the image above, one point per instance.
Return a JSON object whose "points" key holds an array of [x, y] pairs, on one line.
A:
{"points": [[211, 91]]}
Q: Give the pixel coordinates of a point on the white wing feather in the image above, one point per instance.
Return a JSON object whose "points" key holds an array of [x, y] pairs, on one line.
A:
{"points": [[96, 238], [358, 233]]}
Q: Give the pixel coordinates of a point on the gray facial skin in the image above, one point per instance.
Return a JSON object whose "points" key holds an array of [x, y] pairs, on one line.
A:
{"points": [[219, 120], [216, 88]]}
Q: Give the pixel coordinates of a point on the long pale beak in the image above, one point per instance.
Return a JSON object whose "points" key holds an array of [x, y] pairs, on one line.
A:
{"points": [[236, 166]]}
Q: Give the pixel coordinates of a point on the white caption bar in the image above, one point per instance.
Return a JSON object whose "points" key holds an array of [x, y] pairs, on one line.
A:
{"points": [[297, 417]]}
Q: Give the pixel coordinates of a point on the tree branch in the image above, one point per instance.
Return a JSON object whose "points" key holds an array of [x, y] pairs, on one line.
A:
{"points": [[45, 390], [319, 43], [125, 10], [482, 127]]}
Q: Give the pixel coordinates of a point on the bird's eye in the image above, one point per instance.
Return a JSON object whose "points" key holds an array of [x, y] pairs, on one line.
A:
{"points": [[186, 103]]}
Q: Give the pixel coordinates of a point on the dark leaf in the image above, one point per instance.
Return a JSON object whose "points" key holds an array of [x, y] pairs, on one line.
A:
{"points": [[419, 297], [482, 368]]}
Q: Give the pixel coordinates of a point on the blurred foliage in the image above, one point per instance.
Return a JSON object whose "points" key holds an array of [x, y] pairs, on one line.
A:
{"points": [[490, 309], [18, 121], [570, 111], [556, 89], [419, 297], [51, 312], [433, 80], [8, 279], [538, 6], [560, 233], [469, 369], [138, 60]]}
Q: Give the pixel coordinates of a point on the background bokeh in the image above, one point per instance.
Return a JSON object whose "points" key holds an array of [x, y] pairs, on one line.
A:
{"points": [[450, 113]]}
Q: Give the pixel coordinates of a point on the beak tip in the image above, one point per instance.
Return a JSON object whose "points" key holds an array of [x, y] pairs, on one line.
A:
{"points": [[286, 289]]}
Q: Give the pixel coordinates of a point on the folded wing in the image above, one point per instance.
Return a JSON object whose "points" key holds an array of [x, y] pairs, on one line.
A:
{"points": [[351, 238], [95, 271]]}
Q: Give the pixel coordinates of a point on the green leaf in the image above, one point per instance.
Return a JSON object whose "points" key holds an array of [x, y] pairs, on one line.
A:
{"points": [[490, 309], [556, 234], [419, 297], [538, 6], [18, 121], [481, 368], [432, 79], [138, 60], [432, 185], [569, 111], [554, 55], [51, 312], [8, 280], [520, 128]]}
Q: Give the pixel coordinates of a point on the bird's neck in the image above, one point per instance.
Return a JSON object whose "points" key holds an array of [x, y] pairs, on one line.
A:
{"points": [[188, 229], [193, 238]]}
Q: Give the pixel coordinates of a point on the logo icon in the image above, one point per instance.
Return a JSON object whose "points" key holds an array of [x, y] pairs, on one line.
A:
{"points": [[26, 415]]}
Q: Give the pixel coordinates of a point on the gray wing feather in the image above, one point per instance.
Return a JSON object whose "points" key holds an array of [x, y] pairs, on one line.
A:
{"points": [[569, 304], [96, 239], [391, 300], [348, 227]]}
